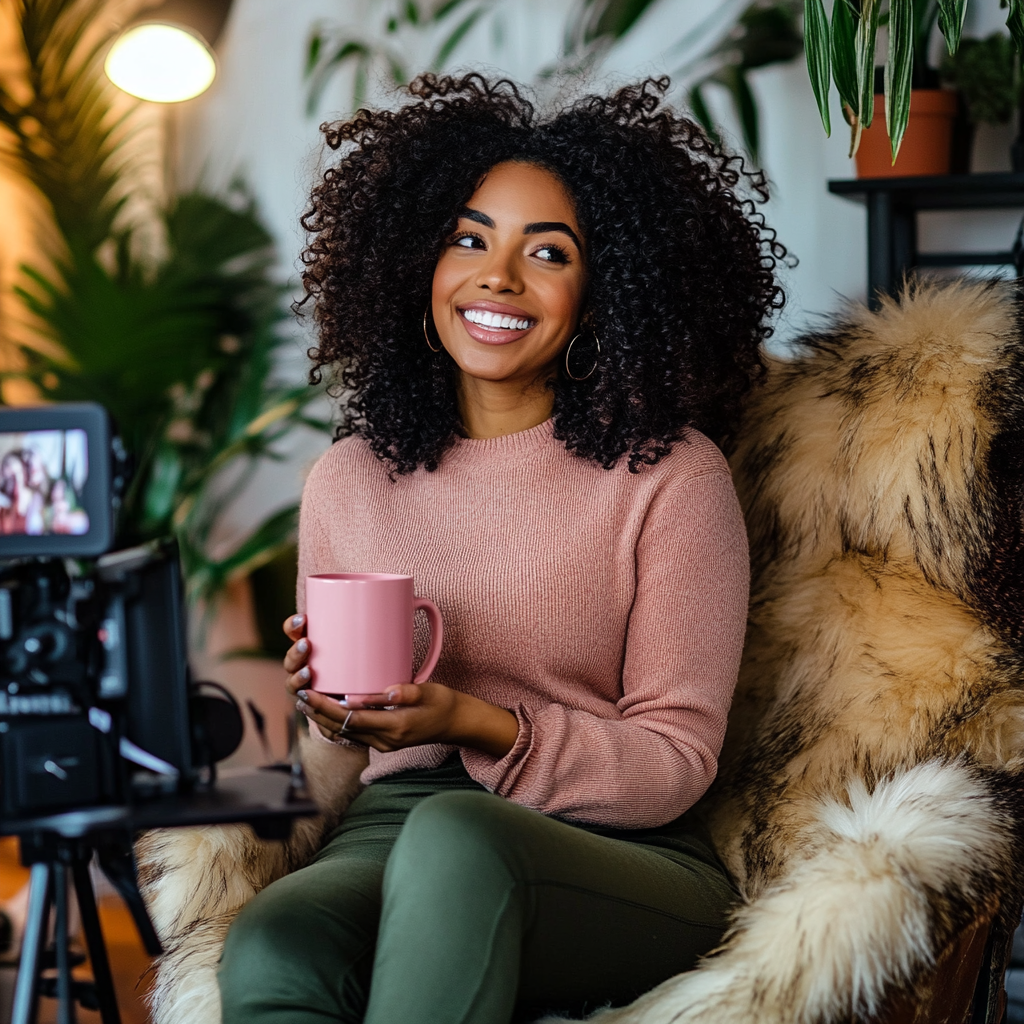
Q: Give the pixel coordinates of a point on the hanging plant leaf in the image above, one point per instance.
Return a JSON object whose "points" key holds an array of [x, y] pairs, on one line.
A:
{"points": [[867, 30], [898, 70], [816, 48], [844, 68], [1015, 23], [951, 22]]}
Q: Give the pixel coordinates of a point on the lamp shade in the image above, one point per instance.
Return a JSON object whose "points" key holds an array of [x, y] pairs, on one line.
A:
{"points": [[166, 55], [160, 62]]}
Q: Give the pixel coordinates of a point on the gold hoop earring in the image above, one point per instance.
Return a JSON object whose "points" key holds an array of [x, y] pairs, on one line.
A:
{"points": [[597, 357], [426, 335]]}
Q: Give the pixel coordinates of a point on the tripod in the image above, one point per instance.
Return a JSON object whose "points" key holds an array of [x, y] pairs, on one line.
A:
{"points": [[66, 843], [53, 857]]}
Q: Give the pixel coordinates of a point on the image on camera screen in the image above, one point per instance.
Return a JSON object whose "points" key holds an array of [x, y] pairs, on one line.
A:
{"points": [[42, 477]]}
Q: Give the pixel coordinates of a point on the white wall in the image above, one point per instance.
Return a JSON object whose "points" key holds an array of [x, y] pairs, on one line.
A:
{"points": [[252, 123]]}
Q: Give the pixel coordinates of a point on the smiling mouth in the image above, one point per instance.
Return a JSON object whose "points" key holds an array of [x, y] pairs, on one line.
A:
{"points": [[496, 321]]}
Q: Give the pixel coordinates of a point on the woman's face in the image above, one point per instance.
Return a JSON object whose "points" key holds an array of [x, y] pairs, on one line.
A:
{"points": [[509, 283]]}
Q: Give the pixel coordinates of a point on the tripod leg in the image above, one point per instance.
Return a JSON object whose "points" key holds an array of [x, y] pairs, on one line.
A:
{"points": [[26, 992], [118, 865], [102, 978], [65, 1002]]}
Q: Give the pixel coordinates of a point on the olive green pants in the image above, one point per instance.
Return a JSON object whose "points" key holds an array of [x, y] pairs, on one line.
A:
{"points": [[436, 902]]}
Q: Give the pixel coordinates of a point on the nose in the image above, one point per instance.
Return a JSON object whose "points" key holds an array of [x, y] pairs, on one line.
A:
{"points": [[500, 271]]}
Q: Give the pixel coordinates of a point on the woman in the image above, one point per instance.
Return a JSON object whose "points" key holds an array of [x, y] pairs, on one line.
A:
{"points": [[15, 492], [531, 319]]}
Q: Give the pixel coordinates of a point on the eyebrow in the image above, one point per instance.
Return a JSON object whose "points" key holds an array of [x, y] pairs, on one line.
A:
{"points": [[552, 225], [468, 213], [537, 228]]}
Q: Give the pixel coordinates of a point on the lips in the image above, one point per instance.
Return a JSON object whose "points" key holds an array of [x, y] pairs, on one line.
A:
{"points": [[495, 323]]}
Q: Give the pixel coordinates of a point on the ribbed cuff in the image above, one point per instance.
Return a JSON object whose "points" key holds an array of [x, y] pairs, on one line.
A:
{"points": [[499, 775]]}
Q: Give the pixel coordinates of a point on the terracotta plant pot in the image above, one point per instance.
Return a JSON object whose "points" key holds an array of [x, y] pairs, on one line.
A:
{"points": [[926, 143]]}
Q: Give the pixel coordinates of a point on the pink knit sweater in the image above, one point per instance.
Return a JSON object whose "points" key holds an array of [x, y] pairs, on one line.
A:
{"points": [[605, 609]]}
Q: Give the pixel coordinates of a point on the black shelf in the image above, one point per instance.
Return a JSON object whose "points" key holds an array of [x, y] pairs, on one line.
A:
{"points": [[892, 207]]}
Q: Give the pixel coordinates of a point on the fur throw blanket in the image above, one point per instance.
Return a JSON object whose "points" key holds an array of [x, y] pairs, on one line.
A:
{"points": [[865, 799]]}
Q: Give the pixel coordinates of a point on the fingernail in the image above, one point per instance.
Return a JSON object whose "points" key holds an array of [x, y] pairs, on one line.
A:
{"points": [[392, 695], [296, 621], [302, 707], [343, 702], [304, 673], [301, 695], [302, 645]]}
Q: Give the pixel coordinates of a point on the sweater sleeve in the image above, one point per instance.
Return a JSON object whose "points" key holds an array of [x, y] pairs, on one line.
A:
{"points": [[658, 754]]}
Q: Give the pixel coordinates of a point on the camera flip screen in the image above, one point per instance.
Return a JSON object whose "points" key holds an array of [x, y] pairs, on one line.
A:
{"points": [[58, 486], [43, 474]]}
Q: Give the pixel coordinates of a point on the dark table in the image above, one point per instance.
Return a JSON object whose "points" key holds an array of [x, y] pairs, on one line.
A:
{"points": [[52, 845], [893, 204]]}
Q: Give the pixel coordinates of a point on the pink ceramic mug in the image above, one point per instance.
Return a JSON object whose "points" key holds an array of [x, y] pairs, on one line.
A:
{"points": [[359, 626]]}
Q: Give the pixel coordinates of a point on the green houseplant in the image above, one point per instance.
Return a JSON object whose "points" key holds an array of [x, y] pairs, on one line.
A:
{"points": [[180, 347], [986, 72], [842, 50], [766, 32], [987, 75]]}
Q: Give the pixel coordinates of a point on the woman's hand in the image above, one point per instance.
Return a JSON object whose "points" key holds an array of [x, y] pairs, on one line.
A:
{"points": [[298, 654], [412, 714], [407, 715]]}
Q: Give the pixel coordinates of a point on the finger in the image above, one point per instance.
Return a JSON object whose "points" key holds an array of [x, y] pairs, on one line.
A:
{"points": [[298, 680], [329, 726], [387, 724], [294, 626], [401, 695], [365, 700], [324, 705], [297, 656]]}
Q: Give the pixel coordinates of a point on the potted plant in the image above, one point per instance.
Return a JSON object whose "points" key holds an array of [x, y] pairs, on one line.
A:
{"points": [[181, 348], [843, 50], [927, 142], [986, 73]]}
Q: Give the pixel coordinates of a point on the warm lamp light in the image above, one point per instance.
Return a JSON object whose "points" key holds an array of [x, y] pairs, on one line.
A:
{"points": [[160, 62]]}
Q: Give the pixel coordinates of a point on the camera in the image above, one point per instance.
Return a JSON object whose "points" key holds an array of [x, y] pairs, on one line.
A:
{"points": [[96, 703]]}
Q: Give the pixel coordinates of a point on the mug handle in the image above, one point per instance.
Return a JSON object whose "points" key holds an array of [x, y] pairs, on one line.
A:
{"points": [[436, 636]]}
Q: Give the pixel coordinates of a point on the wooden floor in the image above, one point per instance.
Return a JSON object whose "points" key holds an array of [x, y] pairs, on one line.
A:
{"points": [[128, 960]]}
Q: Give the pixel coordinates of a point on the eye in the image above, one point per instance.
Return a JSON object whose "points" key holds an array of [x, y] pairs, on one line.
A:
{"points": [[551, 253], [467, 240]]}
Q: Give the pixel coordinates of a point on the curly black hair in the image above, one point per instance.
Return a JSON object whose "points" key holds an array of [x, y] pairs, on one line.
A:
{"points": [[680, 265]]}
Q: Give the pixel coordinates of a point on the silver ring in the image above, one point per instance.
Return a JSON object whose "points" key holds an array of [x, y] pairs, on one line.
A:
{"points": [[344, 725]]}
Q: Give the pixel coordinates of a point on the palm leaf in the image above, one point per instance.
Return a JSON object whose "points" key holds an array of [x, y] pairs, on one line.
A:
{"points": [[701, 112], [183, 353], [68, 140], [321, 74], [455, 37], [612, 19]]}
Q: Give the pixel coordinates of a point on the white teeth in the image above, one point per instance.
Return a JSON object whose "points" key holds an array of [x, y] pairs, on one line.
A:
{"points": [[495, 320]]}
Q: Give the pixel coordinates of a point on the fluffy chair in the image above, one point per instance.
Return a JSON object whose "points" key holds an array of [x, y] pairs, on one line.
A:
{"points": [[868, 788], [195, 880]]}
